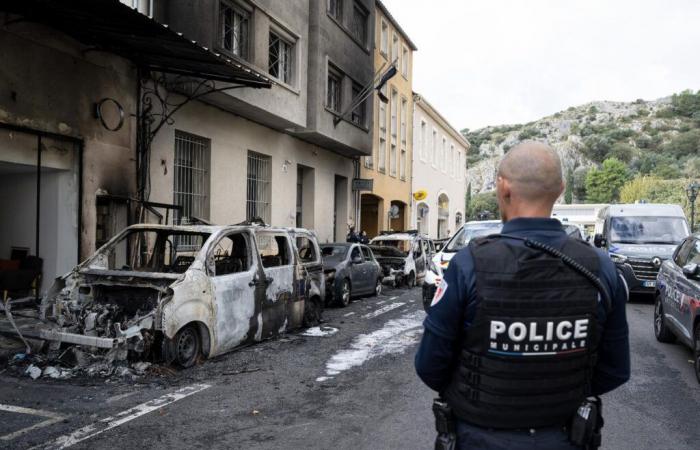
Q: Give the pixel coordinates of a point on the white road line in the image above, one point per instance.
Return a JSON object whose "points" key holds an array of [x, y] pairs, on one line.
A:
{"points": [[349, 314], [380, 303], [102, 425], [393, 298], [383, 309], [51, 418]]}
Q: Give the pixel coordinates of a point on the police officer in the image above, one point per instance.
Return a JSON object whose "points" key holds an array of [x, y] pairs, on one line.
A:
{"points": [[516, 338]]}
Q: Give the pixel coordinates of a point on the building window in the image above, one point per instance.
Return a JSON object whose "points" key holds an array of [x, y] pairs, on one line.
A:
{"points": [[404, 62], [395, 50], [459, 168], [443, 155], [404, 113], [334, 99], [280, 58], [369, 161], [394, 113], [384, 40], [258, 192], [453, 160], [434, 155], [234, 30], [335, 9], [191, 176], [423, 140], [358, 114], [358, 26], [392, 160], [381, 161], [402, 164]]}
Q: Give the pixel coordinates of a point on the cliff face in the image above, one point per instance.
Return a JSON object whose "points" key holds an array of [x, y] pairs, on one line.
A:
{"points": [[569, 133]]}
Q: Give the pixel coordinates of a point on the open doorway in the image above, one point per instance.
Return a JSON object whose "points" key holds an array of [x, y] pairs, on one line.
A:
{"points": [[371, 207], [39, 209], [305, 197]]}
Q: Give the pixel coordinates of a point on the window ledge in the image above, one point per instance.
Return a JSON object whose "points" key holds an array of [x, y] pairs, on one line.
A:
{"points": [[334, 113], [286, 86]]}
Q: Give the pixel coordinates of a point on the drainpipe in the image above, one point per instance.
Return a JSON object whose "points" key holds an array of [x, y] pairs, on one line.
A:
{"points": [[356, 194]]}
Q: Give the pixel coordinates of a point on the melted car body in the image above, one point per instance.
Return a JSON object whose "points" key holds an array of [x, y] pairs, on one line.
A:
{"points": [[158, 291], [403, 256]]}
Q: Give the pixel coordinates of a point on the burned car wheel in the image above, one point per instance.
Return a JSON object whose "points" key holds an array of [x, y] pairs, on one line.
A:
{"points": [[344, 293], [312, 312], [186, 347]]}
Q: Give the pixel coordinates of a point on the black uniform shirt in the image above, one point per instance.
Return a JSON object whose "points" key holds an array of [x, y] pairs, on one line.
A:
{"points": [[437, 355]]}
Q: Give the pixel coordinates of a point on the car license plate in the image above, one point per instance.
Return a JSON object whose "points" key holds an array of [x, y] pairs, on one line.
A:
{"points": [[649, 284]]}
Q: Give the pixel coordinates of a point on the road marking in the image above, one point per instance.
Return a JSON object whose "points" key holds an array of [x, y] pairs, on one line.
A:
{"points": [[380, 303], [102, 425], [383, 309], [393, 298], [348, 314], [51, 418], [394, 337]]}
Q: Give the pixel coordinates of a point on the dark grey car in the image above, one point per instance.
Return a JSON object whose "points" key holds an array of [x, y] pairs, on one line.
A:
{"points": [[351, 270]]}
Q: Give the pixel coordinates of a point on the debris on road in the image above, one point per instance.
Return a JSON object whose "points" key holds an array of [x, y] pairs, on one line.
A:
{"points": [[320, 331], [33, 371]]}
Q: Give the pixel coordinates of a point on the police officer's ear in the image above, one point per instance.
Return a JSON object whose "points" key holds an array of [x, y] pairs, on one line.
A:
{"points": [[503, 189]]}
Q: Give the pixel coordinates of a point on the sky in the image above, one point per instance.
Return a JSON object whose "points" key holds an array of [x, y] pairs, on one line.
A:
{"points": [[493, 62]]}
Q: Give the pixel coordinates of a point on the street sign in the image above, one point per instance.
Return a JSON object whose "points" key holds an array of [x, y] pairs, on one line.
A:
{"points": [[362, 184]]}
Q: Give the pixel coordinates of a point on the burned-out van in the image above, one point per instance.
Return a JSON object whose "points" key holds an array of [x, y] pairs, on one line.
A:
{"points": [[174, 293]]}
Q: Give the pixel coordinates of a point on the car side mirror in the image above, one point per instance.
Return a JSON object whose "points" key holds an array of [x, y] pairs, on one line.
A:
{"points": [[691, 271], [599, 241], [357, 260]]}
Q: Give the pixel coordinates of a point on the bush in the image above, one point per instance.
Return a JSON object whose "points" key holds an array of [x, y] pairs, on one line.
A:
{"points": [[484, 202], [593, 110], [686, 103], [655, 190], [529, 133], [684, 144], [596, 147], [622, 151]]}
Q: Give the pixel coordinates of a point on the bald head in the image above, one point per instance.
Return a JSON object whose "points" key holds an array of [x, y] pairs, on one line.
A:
{"points": [[530, 178]]}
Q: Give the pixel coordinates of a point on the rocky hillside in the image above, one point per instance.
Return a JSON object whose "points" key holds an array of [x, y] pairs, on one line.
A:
{"points": [[659, 138]]}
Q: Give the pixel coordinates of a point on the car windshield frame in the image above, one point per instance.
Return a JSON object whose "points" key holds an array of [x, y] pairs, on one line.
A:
{"points": [[346, 249], [631, 229], [394, 242], [491, 228]]}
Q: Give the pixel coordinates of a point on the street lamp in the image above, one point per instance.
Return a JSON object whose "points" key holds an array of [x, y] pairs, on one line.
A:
{"points": [[692, 192]]}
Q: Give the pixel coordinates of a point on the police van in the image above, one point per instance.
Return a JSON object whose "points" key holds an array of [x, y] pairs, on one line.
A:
{"points": [[639, 238]]}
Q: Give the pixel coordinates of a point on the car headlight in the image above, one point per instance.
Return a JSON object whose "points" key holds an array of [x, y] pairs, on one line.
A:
{"points": [[619, 259]]}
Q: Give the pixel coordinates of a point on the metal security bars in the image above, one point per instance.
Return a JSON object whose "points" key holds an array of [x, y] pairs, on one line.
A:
{"points": [[234, 30], [191, 177], [280, 58], [259, 195]]}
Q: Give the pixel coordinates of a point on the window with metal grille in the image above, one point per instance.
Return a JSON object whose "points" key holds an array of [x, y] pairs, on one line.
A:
{"points": [[280, 58], [234, 29], [358, 27], [191, 177], [333, 102], [259, 187], [358, 114], [335, 9]]}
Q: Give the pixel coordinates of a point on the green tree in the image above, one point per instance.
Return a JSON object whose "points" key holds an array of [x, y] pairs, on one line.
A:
{"points": [[655, 190], [484, 202], [603, 185], [683, 144], [686, 103], [579, 184], [596, 147], [622, 151], [468, 201]]}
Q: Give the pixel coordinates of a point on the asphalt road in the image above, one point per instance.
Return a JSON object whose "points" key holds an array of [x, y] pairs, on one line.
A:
{"points": [[351, 386]]}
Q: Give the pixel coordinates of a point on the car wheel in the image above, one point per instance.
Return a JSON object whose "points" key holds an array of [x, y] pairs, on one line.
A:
{"points": [[411, 280], [313, 310], [186, 346], [344, 293], [696, 350], [378, 288], [661, 331]]}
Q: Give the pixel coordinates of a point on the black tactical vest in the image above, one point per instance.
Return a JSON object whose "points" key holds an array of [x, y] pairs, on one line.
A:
{"points": [[528, 356]]}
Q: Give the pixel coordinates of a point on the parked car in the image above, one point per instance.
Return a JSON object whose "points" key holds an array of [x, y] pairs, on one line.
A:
{"points": [[441, 260], [351, 270], [677, 302], [177, 292], [403, 256], [639, 238]]}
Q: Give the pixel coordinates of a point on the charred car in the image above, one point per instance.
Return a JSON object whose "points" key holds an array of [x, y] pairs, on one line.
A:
{"points": [[350, 270], [173, 293], [403, 256]]}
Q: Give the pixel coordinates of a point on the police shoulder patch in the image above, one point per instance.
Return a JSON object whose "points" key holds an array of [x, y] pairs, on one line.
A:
{"points": [[439, 293]]}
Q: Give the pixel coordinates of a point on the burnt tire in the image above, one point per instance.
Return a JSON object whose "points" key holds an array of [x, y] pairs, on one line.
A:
{"points": [[344, 293], [313, 311], [411, 280], [186, 347], [661, 331], [696, 350]]}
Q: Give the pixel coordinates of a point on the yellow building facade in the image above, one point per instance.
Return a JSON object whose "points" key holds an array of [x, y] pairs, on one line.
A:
{"points": [[388, 206]]}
